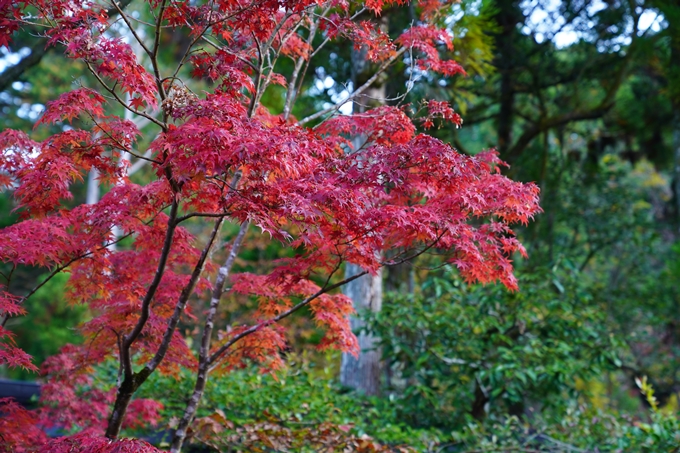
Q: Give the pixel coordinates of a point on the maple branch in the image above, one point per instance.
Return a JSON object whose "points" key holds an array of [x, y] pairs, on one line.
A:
{"points": [[204, 351], [216, 355], [258, 72], [61, 268], [118, 98], [316, 51], [217, 215], [8, 277], [235, 55], [291, 92], [356, 92], [415, 255], [261, 86], [206, 361], [182, 60], [131, 28], [132, 381], [358, 13], [143, 159], [38, 51], [154, 54], [128, 340], [181, 304], [202, 36]]}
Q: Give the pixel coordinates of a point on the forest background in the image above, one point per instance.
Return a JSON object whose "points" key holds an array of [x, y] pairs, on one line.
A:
{"points": [[581, 97]]}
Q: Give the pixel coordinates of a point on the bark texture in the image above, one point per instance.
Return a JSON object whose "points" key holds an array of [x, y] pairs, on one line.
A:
{"points": [[204, 353], [363, 372]]}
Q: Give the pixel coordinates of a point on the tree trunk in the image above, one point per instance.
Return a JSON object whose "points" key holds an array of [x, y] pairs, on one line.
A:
{"points": [[670, 10], [124, 395], [508, 17], [676, 170], [362, 373], [184, 423], [92, 195]]}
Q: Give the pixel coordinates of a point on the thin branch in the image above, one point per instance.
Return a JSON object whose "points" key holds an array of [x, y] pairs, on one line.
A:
{"points": [[154, 54], [202, 36], [356, 92], [134, 168], [415, 255], [38, 51], [291, 93], [122, 147], [224, 49], [121, 101], [128, 340], [131, 28], [181, 303], [61, 268], [206, 338], [217, 354], [216, 215], [263, 52]]}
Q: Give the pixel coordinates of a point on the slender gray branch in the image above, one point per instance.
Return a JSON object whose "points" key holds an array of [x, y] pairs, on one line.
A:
{"points": [[204, 351], [356, 92], [217, 354]]}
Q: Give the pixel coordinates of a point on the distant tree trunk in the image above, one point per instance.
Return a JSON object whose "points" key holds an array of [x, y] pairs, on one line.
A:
{"points": [[676, 169], [92, 195], [674, 79], [400, 279], [509, 15], [671, 11], [478, 410], [362, 373]]}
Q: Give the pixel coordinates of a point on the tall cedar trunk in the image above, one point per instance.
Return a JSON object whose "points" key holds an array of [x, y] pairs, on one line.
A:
{"points": [[676, 167], [363, 372], [673, 11], [508, 17]]}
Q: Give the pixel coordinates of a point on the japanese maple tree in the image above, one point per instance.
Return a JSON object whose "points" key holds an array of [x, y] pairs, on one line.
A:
{"points": [[220, 155]]}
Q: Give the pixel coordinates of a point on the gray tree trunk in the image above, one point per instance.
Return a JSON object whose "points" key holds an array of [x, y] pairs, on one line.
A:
{"points": [[363, 373], [92, 194]]}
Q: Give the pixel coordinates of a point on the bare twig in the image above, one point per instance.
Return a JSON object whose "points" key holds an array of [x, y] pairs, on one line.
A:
{"points": [[356, 92]]}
